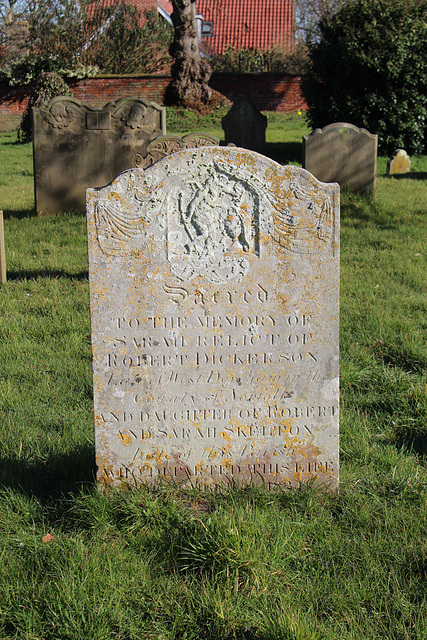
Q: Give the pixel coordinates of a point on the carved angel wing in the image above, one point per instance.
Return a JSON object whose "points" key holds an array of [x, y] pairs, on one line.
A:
{"points": [[124, 217], [59, 114], [116, 221]]}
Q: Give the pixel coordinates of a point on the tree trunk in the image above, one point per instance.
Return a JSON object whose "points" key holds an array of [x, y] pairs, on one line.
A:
{"points": [[190, 72]]}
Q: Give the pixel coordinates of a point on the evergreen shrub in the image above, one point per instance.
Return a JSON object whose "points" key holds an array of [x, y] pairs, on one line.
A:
{"points": [[48, 85], [278, 59], [369, 68]]}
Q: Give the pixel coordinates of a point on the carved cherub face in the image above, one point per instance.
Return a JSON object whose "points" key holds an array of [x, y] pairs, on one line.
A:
{"points": [[136, 115]]}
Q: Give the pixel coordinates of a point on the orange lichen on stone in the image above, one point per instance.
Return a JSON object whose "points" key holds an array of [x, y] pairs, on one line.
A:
{"points": [[214, 308]]}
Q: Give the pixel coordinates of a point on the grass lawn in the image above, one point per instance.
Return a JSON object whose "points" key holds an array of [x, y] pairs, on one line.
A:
{"points": [[182, 564]]}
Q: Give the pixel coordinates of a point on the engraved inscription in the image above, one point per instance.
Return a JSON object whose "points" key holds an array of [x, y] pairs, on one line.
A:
{"points": [[214, 302]]}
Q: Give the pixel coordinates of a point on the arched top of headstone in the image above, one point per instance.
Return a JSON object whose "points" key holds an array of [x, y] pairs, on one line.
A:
{"points": [[213, 201], [342, 128], [245, 126], [243, 108], [135, 114], [165, 145]]}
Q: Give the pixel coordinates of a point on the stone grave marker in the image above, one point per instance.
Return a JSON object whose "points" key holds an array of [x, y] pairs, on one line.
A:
{"points": [[165, 145], [77, 147], [245, 126], [214, 293], [342, 153], [399, 163], [2, 252]]}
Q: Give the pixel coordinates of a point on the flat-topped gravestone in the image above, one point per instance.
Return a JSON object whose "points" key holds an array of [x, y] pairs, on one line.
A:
{"points": [[214, 289], [245, 126], [342, 153], [77, 147]]}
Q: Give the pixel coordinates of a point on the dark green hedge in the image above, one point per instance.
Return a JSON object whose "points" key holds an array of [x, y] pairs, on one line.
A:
{"points": [[369, 68]]}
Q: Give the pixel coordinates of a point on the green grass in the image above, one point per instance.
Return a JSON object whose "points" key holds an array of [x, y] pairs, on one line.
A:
{"points": [[167, 563], [283, 134]]}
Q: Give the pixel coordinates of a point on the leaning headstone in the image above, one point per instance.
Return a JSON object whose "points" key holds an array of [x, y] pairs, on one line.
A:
{"points": [[2, 253], [342, 153], [399, 163], [245, 126], [77, 147], [214, 289]]}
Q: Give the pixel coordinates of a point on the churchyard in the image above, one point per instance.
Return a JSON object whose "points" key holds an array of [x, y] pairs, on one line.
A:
{"points": [[166, 562]]}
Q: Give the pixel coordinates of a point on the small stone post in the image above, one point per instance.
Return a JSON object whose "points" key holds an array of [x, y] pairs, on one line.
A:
{"points": [[2, 254]]}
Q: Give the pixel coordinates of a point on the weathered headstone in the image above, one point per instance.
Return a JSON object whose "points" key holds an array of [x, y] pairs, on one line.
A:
{"points": [[214, 289], [245, 126], [399, 163], [77, 147], [342, 153], [165, 145]]}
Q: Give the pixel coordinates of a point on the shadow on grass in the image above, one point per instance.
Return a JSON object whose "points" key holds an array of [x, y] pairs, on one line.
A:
{"points": [[363, 211], [398, 357], [415, 175], [19, 214], [46, 273], [284, 152], [57, 476], [415, 444], [12, 143]]}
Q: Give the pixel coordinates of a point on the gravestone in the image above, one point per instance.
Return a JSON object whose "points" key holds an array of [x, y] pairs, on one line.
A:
{"points": [[214, 289], [342, 153], [165, 145], [245, 126], [399, 163], [2, 252], [77, 147]]}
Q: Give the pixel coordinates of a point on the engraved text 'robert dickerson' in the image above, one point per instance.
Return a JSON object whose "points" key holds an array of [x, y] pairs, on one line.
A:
{"points": [[214, 304]]}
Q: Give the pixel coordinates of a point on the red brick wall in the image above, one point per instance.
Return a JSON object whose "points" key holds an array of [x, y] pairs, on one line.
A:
{"points": [[268, 91], [13, 101], [144, 5], [98, 91]]}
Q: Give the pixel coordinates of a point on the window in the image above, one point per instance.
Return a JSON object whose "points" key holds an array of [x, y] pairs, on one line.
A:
{"points": [[207, 28]]}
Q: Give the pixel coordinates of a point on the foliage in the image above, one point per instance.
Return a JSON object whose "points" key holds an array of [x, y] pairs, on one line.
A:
{"points": [[48, 85], [126, 46], [277, 59], [369, 68], [78, 42], [180, 120], [283, 135], [308, 14], [27, 69]]}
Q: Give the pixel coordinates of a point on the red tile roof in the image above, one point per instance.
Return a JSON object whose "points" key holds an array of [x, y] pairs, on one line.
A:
{"points": [[245, 24], [166, 5], [140, 5]]}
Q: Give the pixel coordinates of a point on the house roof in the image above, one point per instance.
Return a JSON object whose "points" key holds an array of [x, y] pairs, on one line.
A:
{"points": [[245, 24], [241, 24], [166, 6]]}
